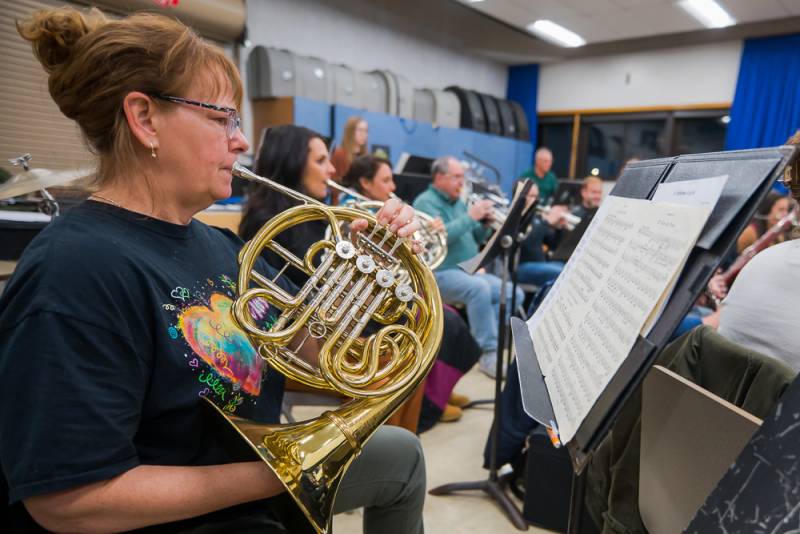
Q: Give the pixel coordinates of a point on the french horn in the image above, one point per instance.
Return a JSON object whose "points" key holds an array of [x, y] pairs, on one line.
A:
{"points": [[352, 285], [434, 242]]}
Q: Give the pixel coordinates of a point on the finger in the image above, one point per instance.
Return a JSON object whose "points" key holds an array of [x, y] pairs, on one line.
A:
{"points": [[359, 225], [408, 229], [389, 210], [406, 221], [402, 216]]}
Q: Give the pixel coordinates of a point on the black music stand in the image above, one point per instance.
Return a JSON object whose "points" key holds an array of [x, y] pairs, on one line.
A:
{"points": [[751, 174], [500, 245]]}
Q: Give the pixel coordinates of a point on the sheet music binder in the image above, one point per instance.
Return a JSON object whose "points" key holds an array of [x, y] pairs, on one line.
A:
{"points": [[751, 175]]}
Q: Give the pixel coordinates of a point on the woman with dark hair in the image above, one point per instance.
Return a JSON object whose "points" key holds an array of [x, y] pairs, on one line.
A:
{"points": [[774, 208], [117, 323], [296, 157], [372, 177]]}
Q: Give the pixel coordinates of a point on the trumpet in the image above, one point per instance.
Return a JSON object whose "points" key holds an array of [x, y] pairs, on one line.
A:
{"points": [[499, 209], [352, 285], [570, 219], [434, 242]]}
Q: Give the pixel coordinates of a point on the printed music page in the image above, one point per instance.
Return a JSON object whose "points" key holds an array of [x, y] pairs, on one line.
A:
{"points": [[700, 192], [630, 255]]}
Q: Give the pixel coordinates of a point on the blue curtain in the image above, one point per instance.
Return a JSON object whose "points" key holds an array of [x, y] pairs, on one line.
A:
{"points": [[766, 107], [523, 87]]}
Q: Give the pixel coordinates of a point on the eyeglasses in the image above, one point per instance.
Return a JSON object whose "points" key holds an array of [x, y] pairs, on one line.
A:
{"points": [[233, 123]]}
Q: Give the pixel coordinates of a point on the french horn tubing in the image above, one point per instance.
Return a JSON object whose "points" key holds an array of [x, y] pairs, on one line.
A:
{"points": [[434, 242], [352, 285]]}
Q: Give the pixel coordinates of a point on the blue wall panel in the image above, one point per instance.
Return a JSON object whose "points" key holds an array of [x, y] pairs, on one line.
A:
{"points": [[313, 114], [523, 86]]}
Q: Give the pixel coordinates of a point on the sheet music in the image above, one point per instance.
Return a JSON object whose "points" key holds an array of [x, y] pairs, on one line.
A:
{"points": [[702, 192], [626, 262]]}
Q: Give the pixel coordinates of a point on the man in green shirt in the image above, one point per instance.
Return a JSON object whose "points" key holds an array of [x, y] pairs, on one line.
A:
{"points": [[542, 176], [466, 229]]}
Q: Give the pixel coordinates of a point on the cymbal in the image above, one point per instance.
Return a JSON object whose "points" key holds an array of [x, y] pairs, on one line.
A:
{"points": [[38, 179]]}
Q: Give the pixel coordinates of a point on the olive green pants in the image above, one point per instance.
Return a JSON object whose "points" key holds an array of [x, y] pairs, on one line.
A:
{"points": [[388, 480]]}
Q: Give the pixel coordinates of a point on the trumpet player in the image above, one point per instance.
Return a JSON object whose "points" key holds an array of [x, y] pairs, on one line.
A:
{"points": [[117, 319], [591, 196], [534, 268], [466, 229]]}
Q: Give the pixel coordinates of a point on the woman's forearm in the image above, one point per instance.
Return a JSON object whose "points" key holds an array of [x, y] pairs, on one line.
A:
{"points": [[149, 495]]}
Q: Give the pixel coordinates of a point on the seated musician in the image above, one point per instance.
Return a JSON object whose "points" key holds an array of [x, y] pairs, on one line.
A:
{"points": [[371, 177], [117, 320], [354, 143], [466, 228], [760, 311], [591, 196], [297, 158], [772, 210], [534, 268], [542, 175]]}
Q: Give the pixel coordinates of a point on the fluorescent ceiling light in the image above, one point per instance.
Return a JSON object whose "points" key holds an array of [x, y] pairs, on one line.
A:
{"points": [[708, 12], [474, 1], [550, 31]]}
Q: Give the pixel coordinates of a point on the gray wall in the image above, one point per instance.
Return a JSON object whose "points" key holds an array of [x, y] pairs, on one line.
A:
{"points": [[370, 35]]}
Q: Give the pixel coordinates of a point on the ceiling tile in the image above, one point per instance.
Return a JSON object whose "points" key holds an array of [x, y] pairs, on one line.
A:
{"points": [[613, 20], [594, 7], [792, 6], [506, 11], [646, 21], [546, 9], [588, 28], [749, 11], [638, 3]]}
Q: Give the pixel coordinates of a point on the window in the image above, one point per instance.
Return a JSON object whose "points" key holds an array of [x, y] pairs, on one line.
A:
{"points": [[696, 134], [557, 136], [607, 141]]}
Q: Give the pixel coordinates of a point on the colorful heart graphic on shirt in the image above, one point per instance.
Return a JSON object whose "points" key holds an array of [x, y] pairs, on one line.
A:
{"points": [[213, 336]]}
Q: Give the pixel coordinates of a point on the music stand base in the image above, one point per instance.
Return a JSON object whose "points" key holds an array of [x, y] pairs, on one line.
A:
{"points": [[495, 489], [478, 402]]}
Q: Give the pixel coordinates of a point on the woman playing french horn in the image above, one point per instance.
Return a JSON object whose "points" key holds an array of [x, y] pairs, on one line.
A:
{"points": [[117, 319]]}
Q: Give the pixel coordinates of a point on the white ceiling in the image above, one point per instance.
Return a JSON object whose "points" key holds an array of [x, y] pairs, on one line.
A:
{"points": [[603, 21]]}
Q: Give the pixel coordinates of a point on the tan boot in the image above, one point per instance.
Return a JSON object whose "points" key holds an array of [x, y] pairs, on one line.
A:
{"points": [[458, 400], [451, 414]]}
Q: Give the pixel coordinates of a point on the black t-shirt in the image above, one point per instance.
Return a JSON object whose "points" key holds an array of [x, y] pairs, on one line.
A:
{"points": [[111, 329]]}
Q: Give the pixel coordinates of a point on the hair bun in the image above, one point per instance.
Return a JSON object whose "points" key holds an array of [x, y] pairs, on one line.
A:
{"points": [[54, 33]]}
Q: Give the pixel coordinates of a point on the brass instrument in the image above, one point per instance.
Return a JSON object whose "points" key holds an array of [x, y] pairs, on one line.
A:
{"points": [[791, 178], [767, 239], [499, 209], [570, 219], [352, 286], [434, 242]]}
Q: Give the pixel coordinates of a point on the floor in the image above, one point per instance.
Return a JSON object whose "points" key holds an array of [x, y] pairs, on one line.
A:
{"points": [[454, 453]]}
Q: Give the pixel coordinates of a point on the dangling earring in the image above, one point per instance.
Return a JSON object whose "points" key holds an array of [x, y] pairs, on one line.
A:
{"points": [[152, 149]]}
